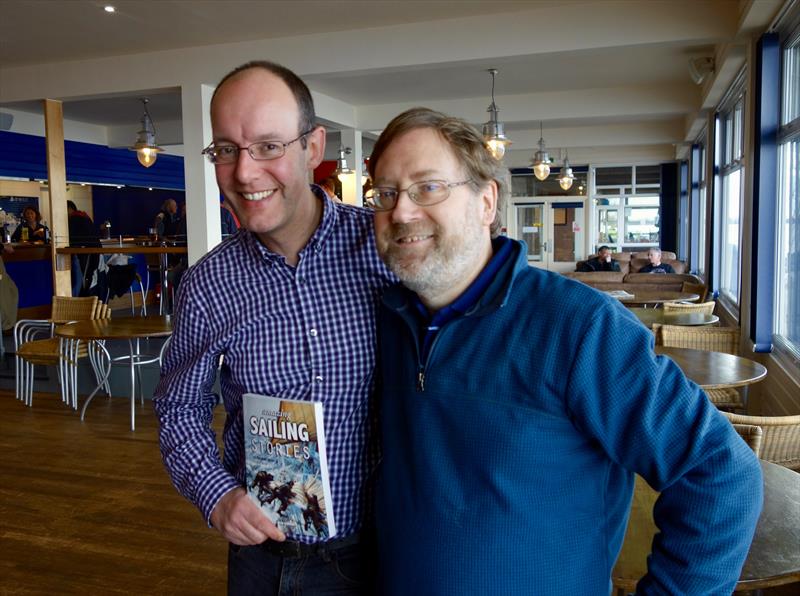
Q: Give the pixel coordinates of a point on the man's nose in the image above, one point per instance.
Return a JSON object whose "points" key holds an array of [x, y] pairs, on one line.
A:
{"points": [[405, 209], [247, 168]]}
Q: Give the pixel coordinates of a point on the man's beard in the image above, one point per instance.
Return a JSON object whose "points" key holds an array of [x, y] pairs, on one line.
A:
{"points": [[440, 267]]}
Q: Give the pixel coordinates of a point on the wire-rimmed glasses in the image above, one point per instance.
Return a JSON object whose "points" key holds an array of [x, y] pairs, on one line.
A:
{"points": [[424, 194], [260, 151]]}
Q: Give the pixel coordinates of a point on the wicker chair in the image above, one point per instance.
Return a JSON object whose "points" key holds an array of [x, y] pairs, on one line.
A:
{"points": [[31, 351], [752, 436], [715, 339], [780, 441], [706, 308]]}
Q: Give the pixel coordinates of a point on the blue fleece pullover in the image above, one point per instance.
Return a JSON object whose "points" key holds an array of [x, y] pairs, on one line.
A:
{"points": [[512, 471]]}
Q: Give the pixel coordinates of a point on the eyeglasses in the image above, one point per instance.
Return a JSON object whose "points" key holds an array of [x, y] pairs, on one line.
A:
{"points": [[424, 194], [261, 151]]}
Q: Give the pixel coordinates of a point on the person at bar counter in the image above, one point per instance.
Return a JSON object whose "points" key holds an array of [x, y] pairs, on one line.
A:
{"points": [[655, 265], [508, 453], [290, 303], [82, 232], [167, 219], [602, 262], [31, 228]]}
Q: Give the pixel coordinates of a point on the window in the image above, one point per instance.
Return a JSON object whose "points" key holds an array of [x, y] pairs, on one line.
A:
{"points": [[730, 165], [627, 207], [787, 291]]}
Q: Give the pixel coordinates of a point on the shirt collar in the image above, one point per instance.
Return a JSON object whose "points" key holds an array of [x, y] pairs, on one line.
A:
{"points": [[502, 249]]}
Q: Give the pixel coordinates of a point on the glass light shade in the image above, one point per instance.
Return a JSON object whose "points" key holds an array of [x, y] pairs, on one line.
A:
{"points": [[147, 156], [343, 175], [497, 148], [565, 182], [541, 170]]}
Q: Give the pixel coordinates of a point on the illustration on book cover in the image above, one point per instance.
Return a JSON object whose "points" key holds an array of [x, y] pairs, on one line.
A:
{"points": [[285, 464]]}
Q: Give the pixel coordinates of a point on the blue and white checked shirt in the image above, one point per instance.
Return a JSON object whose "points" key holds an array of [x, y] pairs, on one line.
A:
{"points": [[304, 332]]}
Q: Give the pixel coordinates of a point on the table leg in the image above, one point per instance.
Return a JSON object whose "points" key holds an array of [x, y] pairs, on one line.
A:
{"points": [[134, 355], [163, 306], [102, 382]]}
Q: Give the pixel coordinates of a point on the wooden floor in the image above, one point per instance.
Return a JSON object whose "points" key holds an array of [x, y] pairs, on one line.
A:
{"points": [[87, 507]]}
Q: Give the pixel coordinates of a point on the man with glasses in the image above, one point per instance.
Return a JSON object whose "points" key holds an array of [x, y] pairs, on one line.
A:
{"points": [[508, 454], [286, 308]]}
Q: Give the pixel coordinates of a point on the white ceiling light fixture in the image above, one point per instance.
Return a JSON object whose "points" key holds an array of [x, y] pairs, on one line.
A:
{"points": [[566, 177], [541, 160], [700, 68], [493, 131], [146, 148], [342, 170], [108, 8]]}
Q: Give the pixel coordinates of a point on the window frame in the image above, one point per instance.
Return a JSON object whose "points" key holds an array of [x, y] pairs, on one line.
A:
{"points": [[730, 161]]}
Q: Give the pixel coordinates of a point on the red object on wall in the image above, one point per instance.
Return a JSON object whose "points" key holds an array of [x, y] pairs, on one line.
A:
{"points": [[324, 170]]}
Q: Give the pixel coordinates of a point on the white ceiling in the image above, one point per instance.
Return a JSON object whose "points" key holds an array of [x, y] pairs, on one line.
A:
{"points": [[597, 73]]}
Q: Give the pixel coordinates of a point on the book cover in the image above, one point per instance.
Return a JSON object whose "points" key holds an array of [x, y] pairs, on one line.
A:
{"points": [[285, 466]]}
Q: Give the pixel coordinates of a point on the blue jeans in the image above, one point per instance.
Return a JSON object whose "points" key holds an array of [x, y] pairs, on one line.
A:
{"points": [[347, 571]]}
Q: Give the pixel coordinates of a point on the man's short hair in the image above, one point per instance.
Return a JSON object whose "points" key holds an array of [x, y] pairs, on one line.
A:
{"points": [[305, 104], [465, 141], [655, 250], [71, 205], [604, 247]]}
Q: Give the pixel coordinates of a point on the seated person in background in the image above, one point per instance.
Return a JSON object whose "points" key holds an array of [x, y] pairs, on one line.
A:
{"points": [[329, 184], [167, 220], [82, 232], [602, 262], [656, 266], [32, 221]]}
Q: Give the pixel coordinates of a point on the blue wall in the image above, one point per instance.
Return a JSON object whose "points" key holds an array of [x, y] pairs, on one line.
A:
{"points": [[130, 210], [25, 156]]}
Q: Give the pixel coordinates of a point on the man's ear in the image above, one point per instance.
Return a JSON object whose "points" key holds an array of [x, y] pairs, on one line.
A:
{"points": [[489, 202], [315, 147]]}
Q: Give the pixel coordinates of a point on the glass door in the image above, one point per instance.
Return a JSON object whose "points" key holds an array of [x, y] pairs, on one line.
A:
{"points": [[554, 232], [530, 229]]}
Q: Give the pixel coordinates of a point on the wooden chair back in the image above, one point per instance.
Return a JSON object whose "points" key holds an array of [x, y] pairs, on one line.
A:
{"points": [[699, 289]]}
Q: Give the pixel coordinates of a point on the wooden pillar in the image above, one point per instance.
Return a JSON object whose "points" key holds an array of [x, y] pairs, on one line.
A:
{"points": [[57, 181]]}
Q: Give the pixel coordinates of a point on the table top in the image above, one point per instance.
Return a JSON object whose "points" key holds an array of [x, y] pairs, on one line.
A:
{"points": [[117, 328], [651, 316], [128, 248], [715, 370], [658, 297], [774, 557]]}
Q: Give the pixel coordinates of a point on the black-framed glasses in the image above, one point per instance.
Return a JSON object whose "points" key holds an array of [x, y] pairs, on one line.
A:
{"points": [[260, 151], [425, 193]]}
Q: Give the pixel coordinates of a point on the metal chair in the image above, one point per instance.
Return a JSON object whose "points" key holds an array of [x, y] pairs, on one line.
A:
{"points": [[31, 351], [714, 339]]}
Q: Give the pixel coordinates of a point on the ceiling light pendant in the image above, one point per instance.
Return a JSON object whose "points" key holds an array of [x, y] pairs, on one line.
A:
{"points": [[146, 148], [566, 177], [342, 170], [493, 131], [541, 160]]}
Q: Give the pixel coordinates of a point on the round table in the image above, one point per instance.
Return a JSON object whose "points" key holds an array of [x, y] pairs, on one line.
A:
{"points": [[714, 370], [658, 316], [774, 557], [129, 328], [656, 297]]}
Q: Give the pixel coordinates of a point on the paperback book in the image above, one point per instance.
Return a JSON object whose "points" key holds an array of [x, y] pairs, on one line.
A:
{"points": [[285, 464]]}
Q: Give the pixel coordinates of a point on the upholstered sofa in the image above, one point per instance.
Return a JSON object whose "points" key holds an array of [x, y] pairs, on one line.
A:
{"points": [[630, 280]]}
